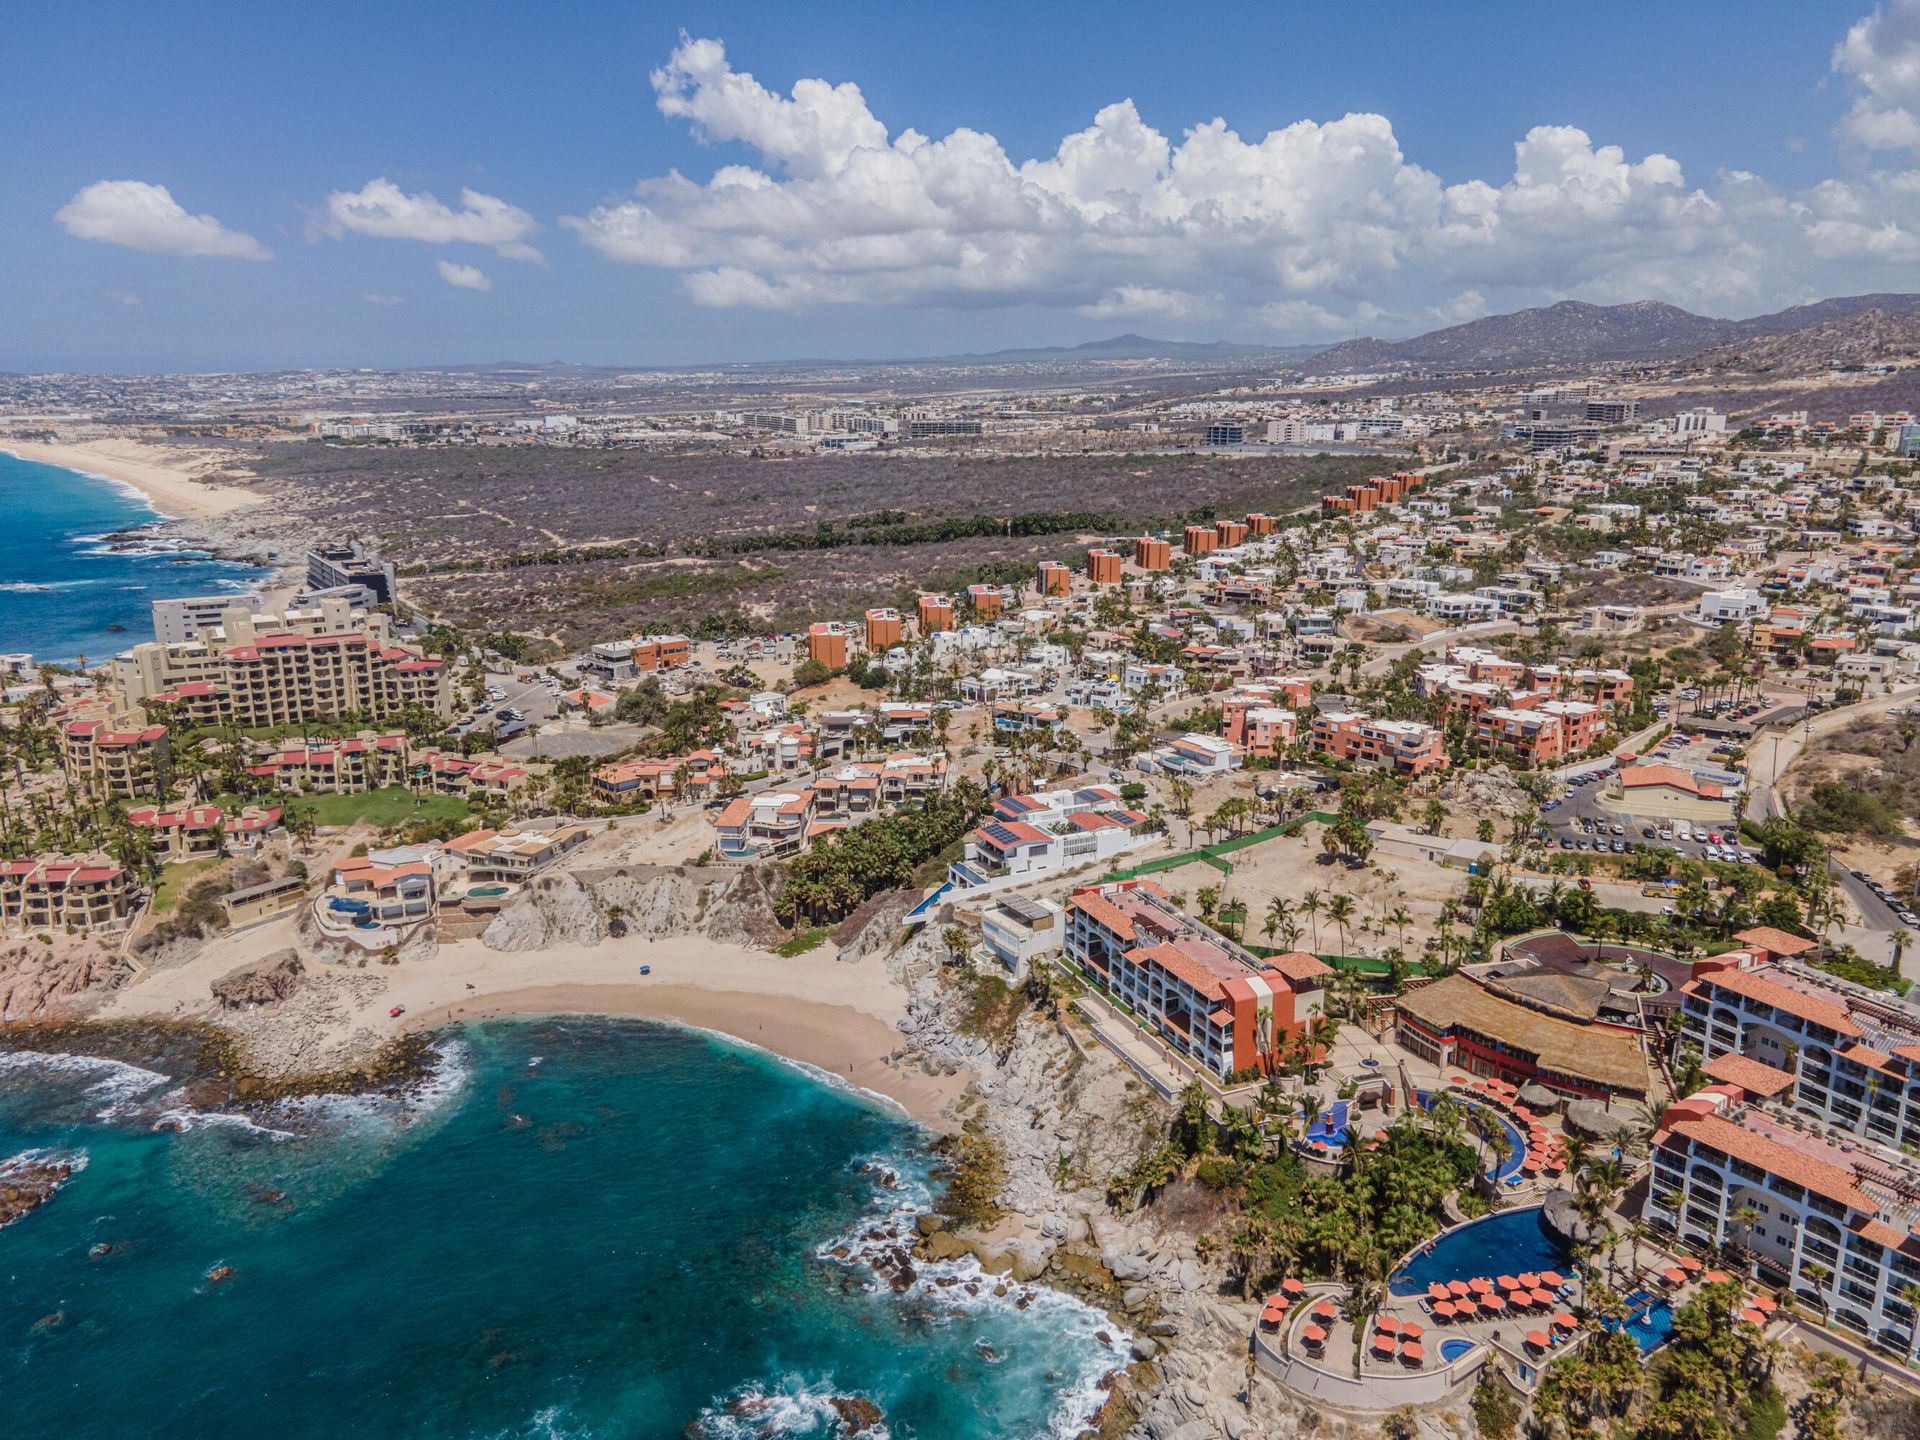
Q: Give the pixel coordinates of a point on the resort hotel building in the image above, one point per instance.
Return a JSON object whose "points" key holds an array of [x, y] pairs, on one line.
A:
{"points": [[1213, 1004]]}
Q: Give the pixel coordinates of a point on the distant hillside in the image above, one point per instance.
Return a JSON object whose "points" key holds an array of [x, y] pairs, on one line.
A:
{"points": [[1860, 338], [1575, 333], [1139, 347]]}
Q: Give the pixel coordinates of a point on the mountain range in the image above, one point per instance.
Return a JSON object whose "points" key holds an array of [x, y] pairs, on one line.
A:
{"points": [[1573, 332]]}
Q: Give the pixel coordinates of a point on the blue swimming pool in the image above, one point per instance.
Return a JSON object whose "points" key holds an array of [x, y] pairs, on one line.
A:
{"points": [[1516, 1137], [1503, 1244], [1452, 1350], [1331, 1126], [1649, 1320]]}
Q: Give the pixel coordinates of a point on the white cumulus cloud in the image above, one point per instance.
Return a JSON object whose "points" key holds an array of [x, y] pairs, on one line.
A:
{"points": [[382, 209], [1880, 58], [147, 217], [465, 277]]}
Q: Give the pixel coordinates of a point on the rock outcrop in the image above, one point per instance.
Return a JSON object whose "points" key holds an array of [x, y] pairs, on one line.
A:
{"points": [[29, 1181], [264, 982], [648, 902], [40, 978]]}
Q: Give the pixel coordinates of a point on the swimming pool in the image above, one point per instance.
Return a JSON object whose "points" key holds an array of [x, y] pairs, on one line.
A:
{"points": [[1516, 1137], [1503, 1244], [1331, 1126], [1452, 1350], [1649, 1320]]}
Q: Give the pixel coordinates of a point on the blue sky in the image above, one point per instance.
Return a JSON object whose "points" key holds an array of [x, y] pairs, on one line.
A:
{"points": [[1766, 154]]}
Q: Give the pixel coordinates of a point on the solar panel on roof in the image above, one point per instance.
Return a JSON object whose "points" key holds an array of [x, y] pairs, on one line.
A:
{"points": [[1001, 835], [1022, 908]]}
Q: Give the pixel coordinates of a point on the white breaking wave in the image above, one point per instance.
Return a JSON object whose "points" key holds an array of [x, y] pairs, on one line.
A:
{"points": [[438, 1088], [117, 1083], [812, 1072], [795, 1407]]}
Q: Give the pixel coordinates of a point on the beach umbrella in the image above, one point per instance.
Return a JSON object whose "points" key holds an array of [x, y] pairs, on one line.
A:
{"points": [[1480, 1285], [1542, 1298], [1689, 1264], [1492, 1302], [1293, 1285], [1437, 1291], [1412, 1330], [1531, 1166], [1458, 1289], [1764, 1303], [1552, 1279], [1530, 1279], [1272, 1315], [1538, 1339], [1673, 1275], [1716, 1277], [1443, 1310], [1383, 1344], [1386, 1324], [1413, 1352], [1313, 1335], [1753, 1317], [1507, 1282], [1564, 1321], [1465, 1309], [1324, 1310]]}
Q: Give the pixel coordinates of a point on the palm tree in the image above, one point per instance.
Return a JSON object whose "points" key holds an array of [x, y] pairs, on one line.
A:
{"points": [[1310, 906], [1340, 911]]}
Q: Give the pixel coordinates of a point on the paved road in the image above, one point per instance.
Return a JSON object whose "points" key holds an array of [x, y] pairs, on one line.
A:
{"points": [[1771, 756]]}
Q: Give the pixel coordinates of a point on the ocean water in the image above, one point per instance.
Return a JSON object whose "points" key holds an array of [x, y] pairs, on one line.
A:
{"points": [[584, 1227], [61, 585]]}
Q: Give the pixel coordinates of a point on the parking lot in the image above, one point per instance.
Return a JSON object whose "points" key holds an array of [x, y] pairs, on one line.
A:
{"points": [[1576, 821]]}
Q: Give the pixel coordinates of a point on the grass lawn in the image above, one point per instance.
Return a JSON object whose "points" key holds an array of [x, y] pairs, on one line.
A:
{"points": [[390, 806], [803, 942], [174, 880]]}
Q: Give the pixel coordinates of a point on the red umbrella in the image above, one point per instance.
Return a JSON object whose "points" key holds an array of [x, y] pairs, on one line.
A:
{"points": [[1324, 1310], [1673, 1275], [1383, 1344], [1507, 1282], [1459, 1289], [1541, 1297], [1413, 1352], [1444, 1310], [1412, 1330], [1465, 1309], [1492, 1302], [1480, 1285], [1538, 1339], [1552, 1279], [1529, 1279], [1716, 1277], [1764, 1302], [1564, 1321], [1437, 1291], [1313, 1335], [1753, 1317], [1272, 1315], [1386, 1324], [1293, 1285], [1689, 1264]]}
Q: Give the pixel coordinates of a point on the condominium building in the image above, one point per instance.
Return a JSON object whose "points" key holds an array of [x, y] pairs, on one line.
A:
{"points": [[1209, 1001], [332, 566], [1848, 1056], [700, 773], [1404, 746], [1543, 733], [114, 762], [1054, 578], [935, 613], [885, 629], [653, 653], [1833, 1218], [827, 643], [183, 832], [1103, 566], [1036, 834], [771, 822], [513, 854], [57, 893], [1152, 553], [1200, 540]]}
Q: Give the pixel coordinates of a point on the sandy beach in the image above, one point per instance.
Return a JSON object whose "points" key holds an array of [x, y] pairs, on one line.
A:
{"points": [[836, 1016], [161, 473]]}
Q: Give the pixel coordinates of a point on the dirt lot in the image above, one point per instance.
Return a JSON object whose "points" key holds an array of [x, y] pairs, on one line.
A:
{"points": [[497, 534]]}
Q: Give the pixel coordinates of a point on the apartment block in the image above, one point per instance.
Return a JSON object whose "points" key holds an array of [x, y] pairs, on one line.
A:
{"points": [[1404, 746], [935, 613], [1209, 1001], [771, 822], [827, 643], [1261, 525], [1200, 540], [1832, 1218], [885, 629], [284, 679], [1153, 553], [988, 601], [1231, 533], [698, 774], [1054, 578], [114, 763], [186, 831], [653, 653], [1046, 831], [1103, 567], [56, 893], [1541, 734], [1260, 728]]}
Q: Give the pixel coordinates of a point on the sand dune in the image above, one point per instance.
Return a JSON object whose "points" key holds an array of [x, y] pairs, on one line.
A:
{"points": [[161, 473]]}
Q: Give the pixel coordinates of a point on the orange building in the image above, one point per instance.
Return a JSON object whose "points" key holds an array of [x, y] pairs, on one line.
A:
{"points": [[1055, 578], [1260, 524], [659, 652], [1231, 532], [827, 643], [1200, 540], [1103, 567], [1150, 553], [936, 614], [987, 600], [884, 629]]}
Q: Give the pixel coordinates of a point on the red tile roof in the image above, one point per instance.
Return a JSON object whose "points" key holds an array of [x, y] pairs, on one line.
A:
{"points": [[1807, 1007], [1750, 1075], [1784, 1161]]}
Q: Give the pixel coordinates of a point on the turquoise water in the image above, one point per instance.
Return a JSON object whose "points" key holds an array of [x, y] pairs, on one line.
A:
{"points": [[1502, 1244], [1516, 1137], [585, 1228], [61, 585], [1649, 1321]]}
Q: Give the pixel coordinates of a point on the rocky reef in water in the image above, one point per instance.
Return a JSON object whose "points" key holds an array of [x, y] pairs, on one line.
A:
{"points": [[29, 1181]]}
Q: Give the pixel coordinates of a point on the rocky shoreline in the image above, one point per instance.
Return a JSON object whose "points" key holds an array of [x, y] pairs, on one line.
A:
{"points": [[29, 1181]]}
